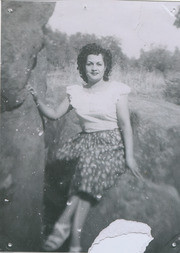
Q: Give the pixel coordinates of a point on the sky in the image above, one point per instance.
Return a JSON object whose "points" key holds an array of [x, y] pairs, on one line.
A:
{"points": [[138, 25]]}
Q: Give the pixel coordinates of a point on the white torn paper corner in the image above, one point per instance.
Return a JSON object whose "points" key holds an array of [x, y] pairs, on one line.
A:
{"points": [[122, 236]]}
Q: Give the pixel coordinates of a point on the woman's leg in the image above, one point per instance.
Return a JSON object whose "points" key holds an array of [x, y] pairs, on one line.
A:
{"points": [[70, 209], [78, 222], [62, 227]]}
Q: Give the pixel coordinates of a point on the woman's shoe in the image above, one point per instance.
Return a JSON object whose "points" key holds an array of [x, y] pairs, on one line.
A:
{"points": [[75, 249], [58, 236]]}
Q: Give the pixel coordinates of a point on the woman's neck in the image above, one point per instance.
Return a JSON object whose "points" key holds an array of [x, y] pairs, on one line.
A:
{"points": [[97, 85]]}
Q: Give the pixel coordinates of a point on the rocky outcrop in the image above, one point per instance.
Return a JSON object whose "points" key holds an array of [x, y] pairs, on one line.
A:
{"points": [[22, 158], [157, 138], [156, 205]]}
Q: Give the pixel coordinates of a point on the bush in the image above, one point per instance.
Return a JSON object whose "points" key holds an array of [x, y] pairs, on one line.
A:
{"points": [[172, 92]]}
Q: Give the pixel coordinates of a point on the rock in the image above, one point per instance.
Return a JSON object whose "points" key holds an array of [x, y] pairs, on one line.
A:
{"points": [[157, 138], [156, 205], [22, 160], [22, 166], [172, 245], [22, 39]]}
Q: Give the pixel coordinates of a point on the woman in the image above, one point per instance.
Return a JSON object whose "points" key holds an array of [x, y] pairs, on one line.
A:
{"points": [[100, 150]]}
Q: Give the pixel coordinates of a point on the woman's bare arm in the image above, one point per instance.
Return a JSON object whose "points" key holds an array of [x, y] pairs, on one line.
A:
{"points": [[54, 114], [125, 125], [47, 111]]}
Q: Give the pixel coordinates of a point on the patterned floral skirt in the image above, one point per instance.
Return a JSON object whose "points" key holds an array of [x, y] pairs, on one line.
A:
{"points": [[99, 161]]}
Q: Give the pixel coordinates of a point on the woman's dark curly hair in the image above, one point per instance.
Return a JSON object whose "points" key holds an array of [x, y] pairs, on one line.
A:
{"points": [[94, 49]]}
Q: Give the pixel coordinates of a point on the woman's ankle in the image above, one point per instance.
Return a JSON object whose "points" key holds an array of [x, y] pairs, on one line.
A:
{"points": [[68, 213], [75, 249]]}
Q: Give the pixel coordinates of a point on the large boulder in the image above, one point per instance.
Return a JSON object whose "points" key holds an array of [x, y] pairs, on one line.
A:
{"points": [[22, 174], [156, 205], [157, 139], [22, 39], [22, 160]]}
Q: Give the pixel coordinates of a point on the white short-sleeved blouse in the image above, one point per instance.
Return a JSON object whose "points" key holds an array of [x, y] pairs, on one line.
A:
{"points": [[96, 110]]}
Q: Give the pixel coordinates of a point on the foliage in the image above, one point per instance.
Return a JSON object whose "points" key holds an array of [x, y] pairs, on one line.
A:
{"points": [[156, 59], [177, 21], [63, 50], [176, 60], [172, 92], [149, 76], [143, 83]]}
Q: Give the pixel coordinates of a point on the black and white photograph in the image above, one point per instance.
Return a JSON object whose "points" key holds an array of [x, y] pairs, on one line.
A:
{"points": [[90, 126]]}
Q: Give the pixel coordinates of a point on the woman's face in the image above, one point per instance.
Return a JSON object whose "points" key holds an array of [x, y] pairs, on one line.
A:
{"points": [[95, 68]]}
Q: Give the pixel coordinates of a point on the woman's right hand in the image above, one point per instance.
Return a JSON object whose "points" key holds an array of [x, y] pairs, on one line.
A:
{"points": [[132, 165]]}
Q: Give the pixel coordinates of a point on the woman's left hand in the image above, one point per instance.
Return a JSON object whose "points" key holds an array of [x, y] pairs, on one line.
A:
{"points": [[33, 93], [132, 165]]}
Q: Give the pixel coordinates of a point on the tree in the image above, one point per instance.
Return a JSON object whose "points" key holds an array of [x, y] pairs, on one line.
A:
{"points": [[177, 21], [156, 59], [176, 60], [114, 45]]}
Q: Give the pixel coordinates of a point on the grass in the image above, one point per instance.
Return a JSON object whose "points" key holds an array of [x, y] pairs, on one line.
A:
{"points": [[143, 83], [172, 92]]}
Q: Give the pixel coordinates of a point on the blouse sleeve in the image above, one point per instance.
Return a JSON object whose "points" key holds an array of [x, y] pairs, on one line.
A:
{"points": [[121, 89], [72, 93]]}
